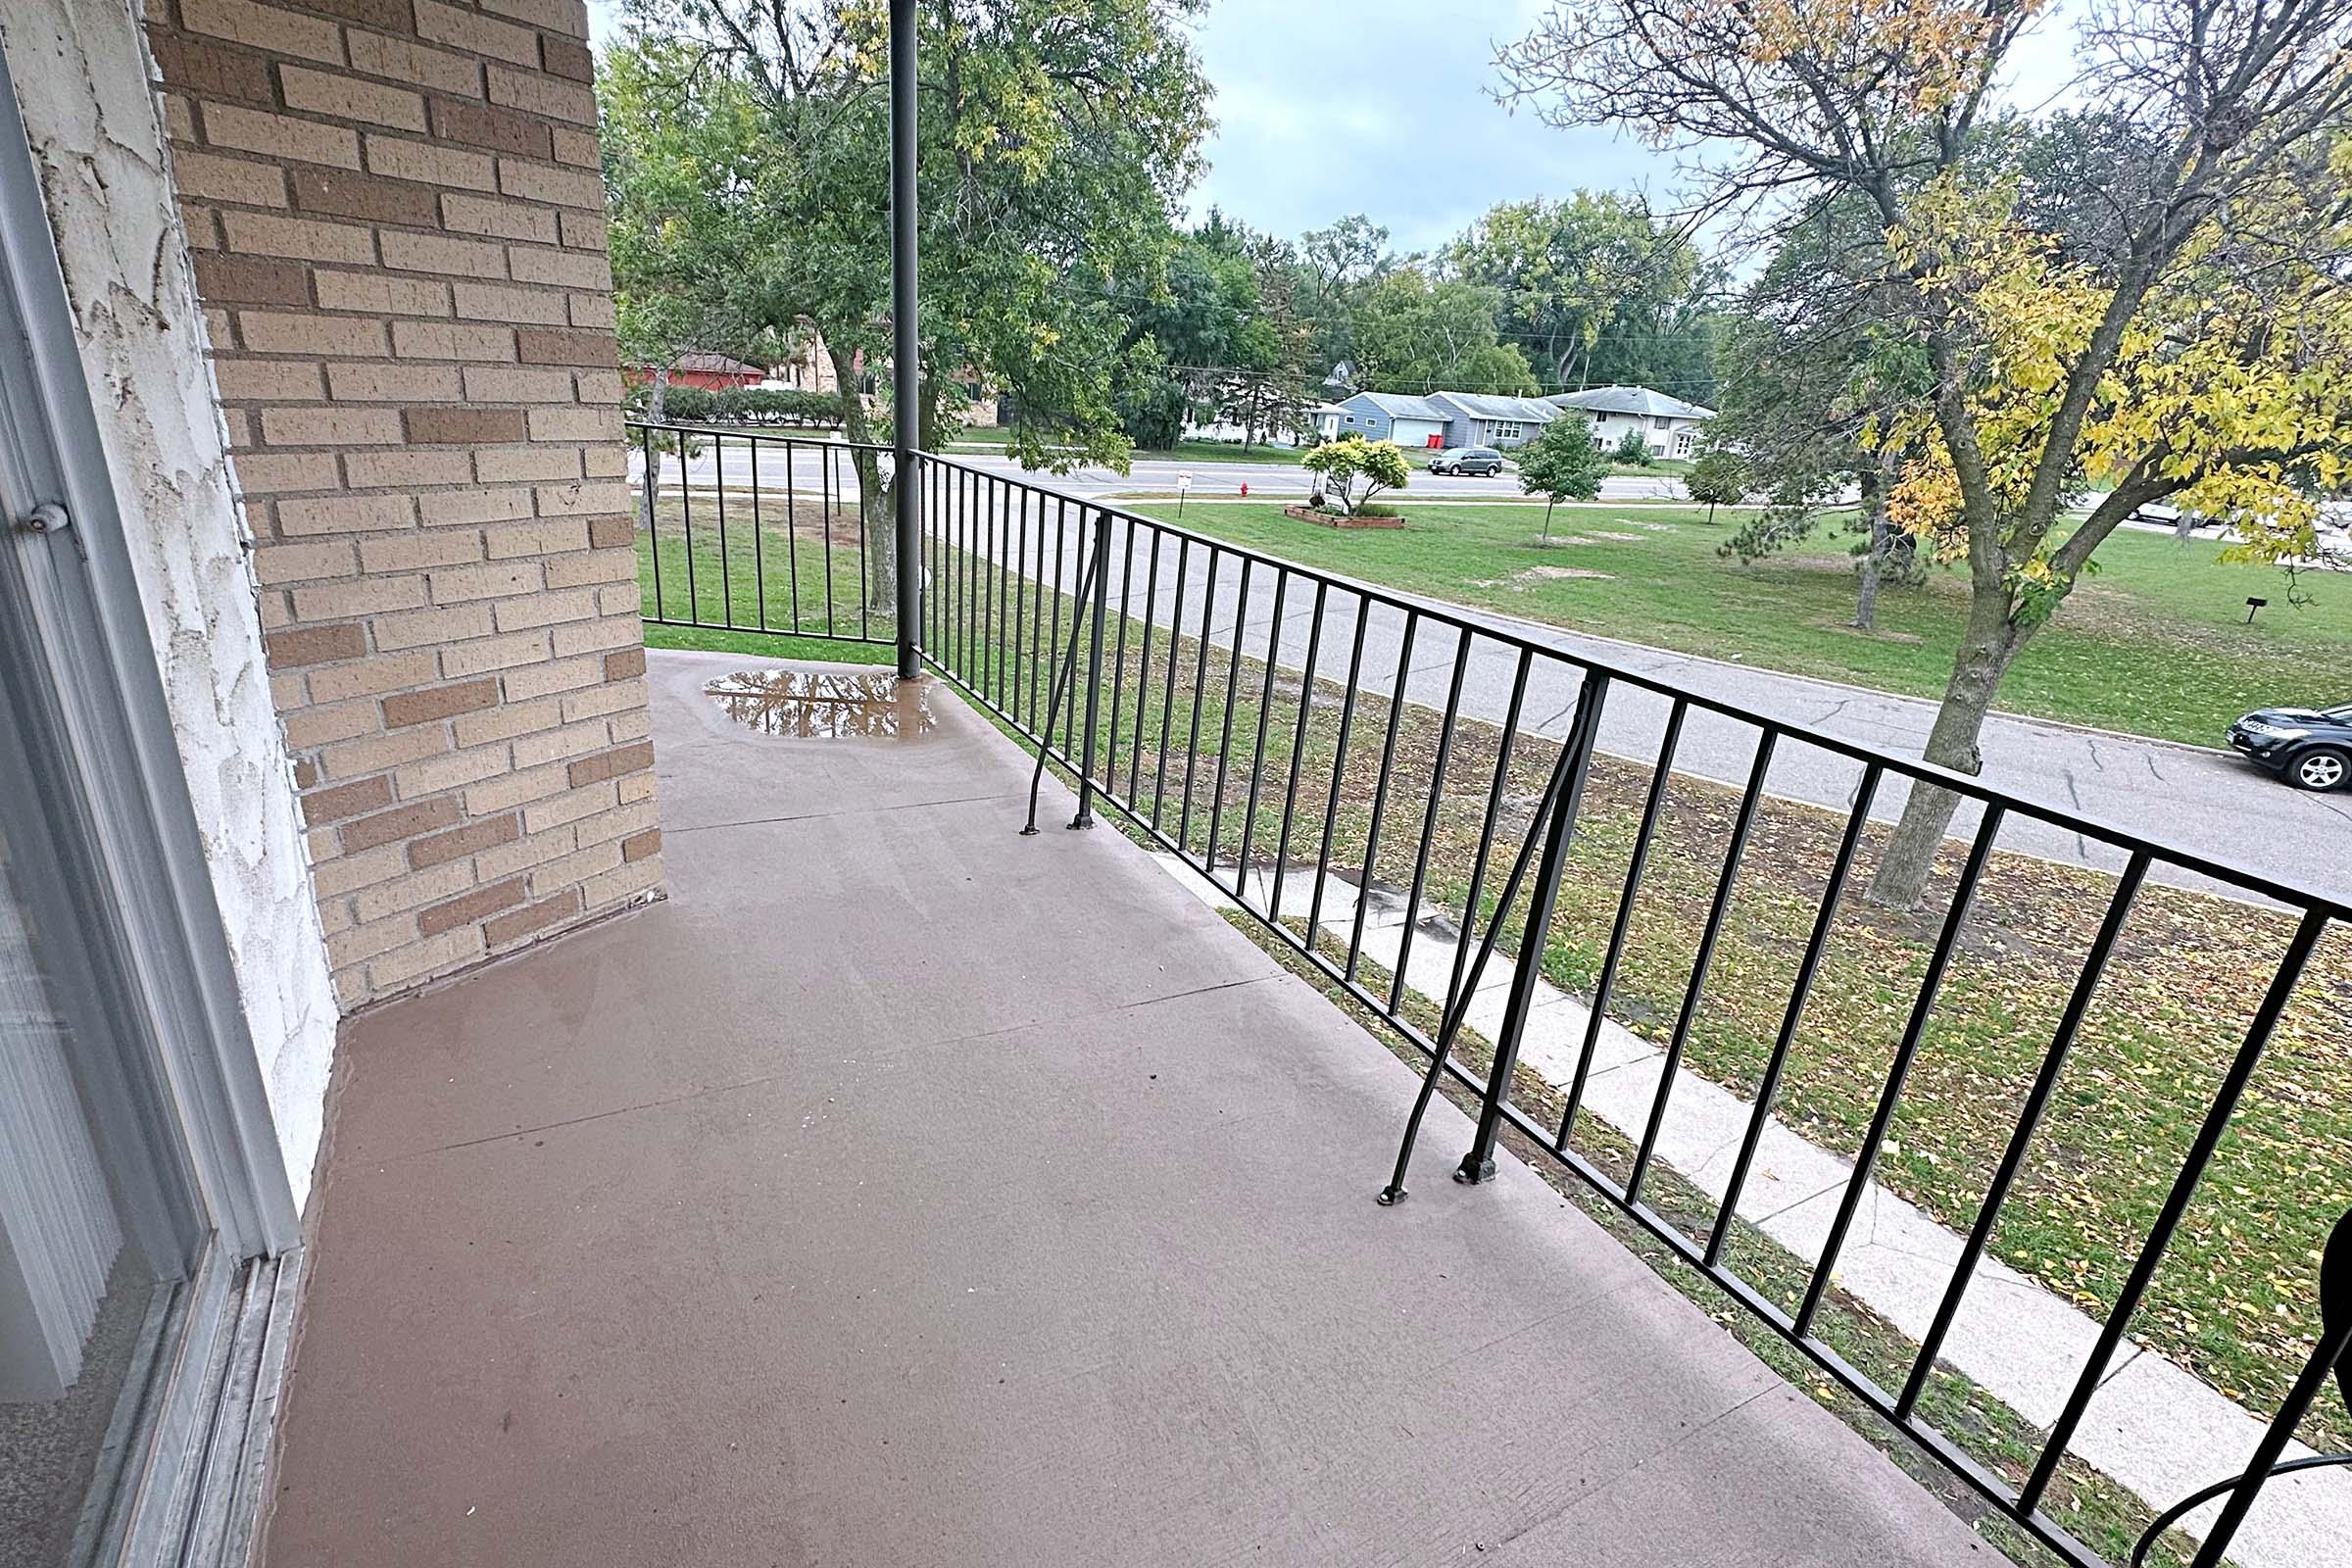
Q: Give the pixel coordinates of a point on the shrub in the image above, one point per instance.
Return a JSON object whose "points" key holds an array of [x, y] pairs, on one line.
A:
{"points": [[1633, 447]]}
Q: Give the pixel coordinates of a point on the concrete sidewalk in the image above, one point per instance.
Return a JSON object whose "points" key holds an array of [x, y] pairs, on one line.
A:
{"points": [[907, 1192]]}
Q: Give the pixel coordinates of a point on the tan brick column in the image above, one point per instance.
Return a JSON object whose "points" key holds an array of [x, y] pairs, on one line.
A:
{"points": [[399, 240]]}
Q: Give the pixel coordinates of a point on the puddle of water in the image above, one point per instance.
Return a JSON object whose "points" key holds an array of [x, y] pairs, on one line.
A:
{"points": [[826, 703]]}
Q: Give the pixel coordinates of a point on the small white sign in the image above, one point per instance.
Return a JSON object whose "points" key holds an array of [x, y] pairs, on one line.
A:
{"points": [[1184, 482]]}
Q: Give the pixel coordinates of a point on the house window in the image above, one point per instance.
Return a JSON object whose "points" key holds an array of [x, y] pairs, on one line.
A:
{"points": [[1683, 444], [1659, 422], [1502, 430]]}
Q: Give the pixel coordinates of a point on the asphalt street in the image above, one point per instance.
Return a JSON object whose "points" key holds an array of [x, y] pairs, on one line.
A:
{"points": [[804, 466], [2202, 803], [2197, 803]]}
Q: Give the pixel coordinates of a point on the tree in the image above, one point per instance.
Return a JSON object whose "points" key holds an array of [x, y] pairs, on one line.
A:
{"points": [[1812, 380], [1335, 265], [1595, 293], [2200, 352], [1417, 333], [1564, 463], [674, 223], [1378, 465], [1633, 447], [1719, 478], [1052, 144]]}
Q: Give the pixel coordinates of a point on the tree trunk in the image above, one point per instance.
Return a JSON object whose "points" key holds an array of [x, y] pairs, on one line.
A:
{"points": [[1550, 502], [876, 509], [1985, 655], [1875, 493], [660, 398]]}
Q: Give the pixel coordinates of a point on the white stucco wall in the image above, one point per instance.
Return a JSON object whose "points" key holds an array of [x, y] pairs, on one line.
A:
{"points": [[81, 72]]}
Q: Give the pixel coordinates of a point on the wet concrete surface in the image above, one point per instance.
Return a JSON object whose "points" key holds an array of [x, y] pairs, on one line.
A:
{"points": [[826, 704], [907, 1192]]}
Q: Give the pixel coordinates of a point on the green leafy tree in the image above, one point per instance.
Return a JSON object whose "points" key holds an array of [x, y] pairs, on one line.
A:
{"points": [[1811, 377], [1415, 332], [1052, 144], [2204, 352], [1564, 463], [1336, 266], [1355, 470], [1719, 478], [1632, 448], [1595, 293]]}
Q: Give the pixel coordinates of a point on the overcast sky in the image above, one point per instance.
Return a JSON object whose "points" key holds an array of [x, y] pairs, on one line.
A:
{"points": [[1385, 106]]}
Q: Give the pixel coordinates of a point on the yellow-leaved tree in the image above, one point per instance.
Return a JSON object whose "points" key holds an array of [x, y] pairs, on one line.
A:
{"points": [[2138, 297]]}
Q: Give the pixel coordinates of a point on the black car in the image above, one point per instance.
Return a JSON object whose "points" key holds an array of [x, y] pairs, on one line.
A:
{"points": [[2311, 748], [1484, 461]]}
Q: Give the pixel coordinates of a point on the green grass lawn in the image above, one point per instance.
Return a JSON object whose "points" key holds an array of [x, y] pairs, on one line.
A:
{"points": [[2153, 642]]}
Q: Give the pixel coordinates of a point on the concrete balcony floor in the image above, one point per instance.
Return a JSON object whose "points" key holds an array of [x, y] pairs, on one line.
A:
{"points": [[907, 1192]]}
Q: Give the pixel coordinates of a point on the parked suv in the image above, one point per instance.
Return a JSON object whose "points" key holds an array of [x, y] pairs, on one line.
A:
{"points": [[1467, 460], [2310, 748]]}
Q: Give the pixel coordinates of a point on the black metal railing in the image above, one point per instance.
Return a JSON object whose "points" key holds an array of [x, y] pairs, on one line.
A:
{"points": [[1407, 797], [763, 533]]}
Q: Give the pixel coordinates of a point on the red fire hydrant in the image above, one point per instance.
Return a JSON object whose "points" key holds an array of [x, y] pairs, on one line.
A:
{"points": [[1245, 487]]}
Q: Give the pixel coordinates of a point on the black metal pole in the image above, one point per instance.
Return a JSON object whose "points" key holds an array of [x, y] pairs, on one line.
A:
{"points": [[906, 487]]}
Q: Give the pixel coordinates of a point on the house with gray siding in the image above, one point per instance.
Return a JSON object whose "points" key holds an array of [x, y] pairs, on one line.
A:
{"points": [[1481, 420], [1409, 421]]}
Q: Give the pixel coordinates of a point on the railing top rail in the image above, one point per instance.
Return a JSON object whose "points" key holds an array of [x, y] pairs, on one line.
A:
{"points": [[1437, 611], [754, 432]]}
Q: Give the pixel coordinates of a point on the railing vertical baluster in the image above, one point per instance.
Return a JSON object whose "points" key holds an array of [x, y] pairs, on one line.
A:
{"points": [[1380, 789], [865, 557], [1768, 1086], [1118, 661], [1635, 865], [1265, 711], [791, 526], [726, 576], [1503, 746], [1477, 1164], [2184, 1188], [1142, 673], [694, 604], [1061, 522], [1429, 819], [1024, 673], [1192, 747], [1339, 768], [1289, 793], [989, 673], [1094, 668], [1698, 983], [758, 538], [652, 528], [1233, 697], [2020, 1137], [832, 481], [1899, 1070], [1167, 703]]}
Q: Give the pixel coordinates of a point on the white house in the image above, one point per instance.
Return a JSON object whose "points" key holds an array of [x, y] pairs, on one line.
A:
{"points": [[1671, 426]]}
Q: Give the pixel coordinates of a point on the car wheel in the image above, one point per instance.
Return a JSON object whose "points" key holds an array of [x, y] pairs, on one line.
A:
{"points": [[2322, 767]]}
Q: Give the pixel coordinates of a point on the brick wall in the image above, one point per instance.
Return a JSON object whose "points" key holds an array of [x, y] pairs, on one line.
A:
{"points": [[397, 232]]}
